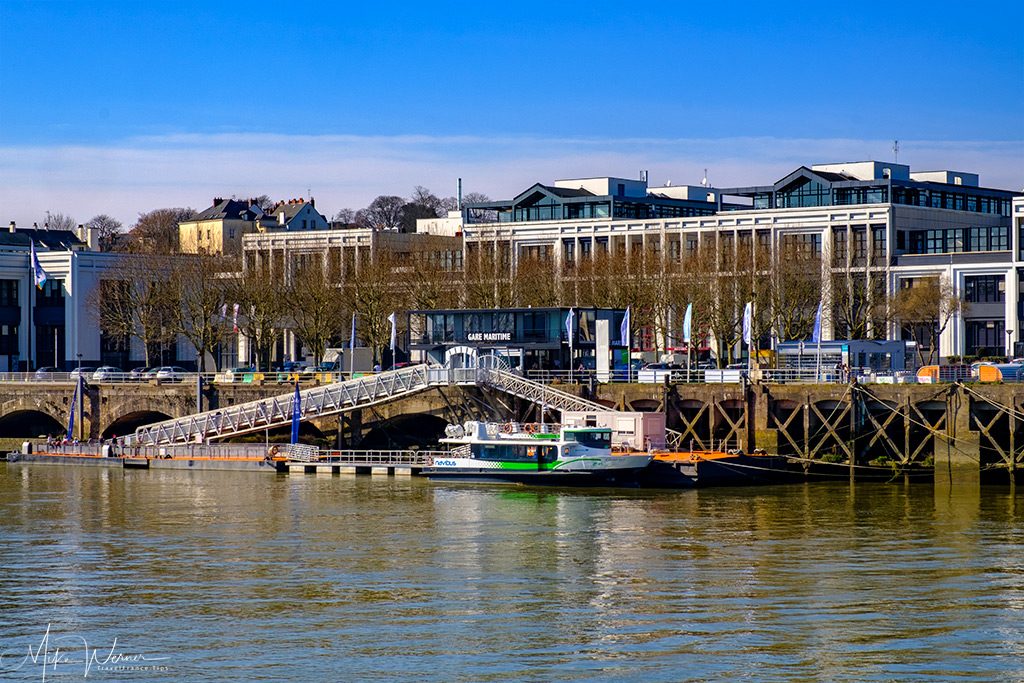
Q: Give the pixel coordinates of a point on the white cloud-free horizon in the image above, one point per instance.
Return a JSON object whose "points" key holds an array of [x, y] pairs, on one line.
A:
{"points": [[145, 173]]}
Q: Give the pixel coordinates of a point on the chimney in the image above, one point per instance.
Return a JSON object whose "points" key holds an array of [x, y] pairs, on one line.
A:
{"points": [[312, 202], [13, 226]]}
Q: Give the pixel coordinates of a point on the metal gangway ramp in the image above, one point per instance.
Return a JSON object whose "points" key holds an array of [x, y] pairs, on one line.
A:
{"points": [[542, 394], [277, 411], [340, 397]]}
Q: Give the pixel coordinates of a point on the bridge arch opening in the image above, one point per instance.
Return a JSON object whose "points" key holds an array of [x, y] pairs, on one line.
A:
{"points": [[309, 434], [30, 424], [405, 431], [128, 423]]}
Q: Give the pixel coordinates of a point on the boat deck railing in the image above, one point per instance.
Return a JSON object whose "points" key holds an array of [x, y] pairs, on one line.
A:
{"points": [[353, 457]]}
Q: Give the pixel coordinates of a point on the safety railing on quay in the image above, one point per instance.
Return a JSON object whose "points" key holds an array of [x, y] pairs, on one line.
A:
{"points": [[180, 377], [364, 457]]}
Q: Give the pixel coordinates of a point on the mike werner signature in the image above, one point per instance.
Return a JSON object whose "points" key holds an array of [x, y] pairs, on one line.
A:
{"points": [[66, 654]]}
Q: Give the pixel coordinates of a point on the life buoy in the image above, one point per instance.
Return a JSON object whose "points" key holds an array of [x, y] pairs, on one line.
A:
{"points": [[530, 428], [430, 461], [506, 428], [274, 450]]}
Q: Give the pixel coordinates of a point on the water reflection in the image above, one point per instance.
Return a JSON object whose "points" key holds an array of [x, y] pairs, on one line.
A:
{"points": [[301, 578]]}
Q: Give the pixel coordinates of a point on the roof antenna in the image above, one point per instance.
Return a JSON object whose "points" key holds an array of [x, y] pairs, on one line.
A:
{"points": [[896, 150]]}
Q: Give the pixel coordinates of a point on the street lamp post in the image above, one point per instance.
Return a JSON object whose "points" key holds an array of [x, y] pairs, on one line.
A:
{"points": [[1009, 343], [79, 363]]}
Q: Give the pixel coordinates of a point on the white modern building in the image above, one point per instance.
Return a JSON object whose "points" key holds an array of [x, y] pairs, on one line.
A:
{"points": [[876, 222], [57, 325]]}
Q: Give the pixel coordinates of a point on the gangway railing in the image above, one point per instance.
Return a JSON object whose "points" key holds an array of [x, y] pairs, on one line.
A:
{"points": [[277, 411], [541, 394], [340, 397]]}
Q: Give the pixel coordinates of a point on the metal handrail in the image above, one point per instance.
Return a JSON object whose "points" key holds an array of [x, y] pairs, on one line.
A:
{"points": [[278, 410]]}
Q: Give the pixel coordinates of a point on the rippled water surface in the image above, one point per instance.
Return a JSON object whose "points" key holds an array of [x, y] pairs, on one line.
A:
{"points": [[241, 577]]}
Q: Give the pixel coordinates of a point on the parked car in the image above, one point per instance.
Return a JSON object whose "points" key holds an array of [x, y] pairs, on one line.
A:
{"points": [[45, 374], [81, 372], [139, 374], [106, 373], [656, 373], [171, 373]]}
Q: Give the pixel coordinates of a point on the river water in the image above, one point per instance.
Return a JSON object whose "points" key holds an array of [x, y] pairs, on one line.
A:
{"points": [[241, 577]]}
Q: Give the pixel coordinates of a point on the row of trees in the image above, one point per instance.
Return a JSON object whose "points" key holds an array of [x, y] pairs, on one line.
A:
{"points": [[785, 286], [155, 232], [194, 297], [391, 212]]}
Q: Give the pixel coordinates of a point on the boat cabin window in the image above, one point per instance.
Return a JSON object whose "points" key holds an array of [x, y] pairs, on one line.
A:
{"points": [[518, 453], [596, 439]]}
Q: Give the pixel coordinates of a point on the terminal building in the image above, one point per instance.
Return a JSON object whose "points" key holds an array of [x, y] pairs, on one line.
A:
{"points": [[879, 225], [522, 338]]}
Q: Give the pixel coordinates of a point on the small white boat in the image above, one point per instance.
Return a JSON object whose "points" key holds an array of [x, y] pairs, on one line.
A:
{"points": [[535, 454]]}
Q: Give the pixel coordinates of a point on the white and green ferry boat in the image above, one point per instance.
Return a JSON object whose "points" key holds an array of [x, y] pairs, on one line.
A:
{"points": [[535, 454]]}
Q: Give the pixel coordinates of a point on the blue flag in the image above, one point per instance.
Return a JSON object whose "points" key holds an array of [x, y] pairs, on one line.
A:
{"points": [[352, 346], [624, 329], [816, 335], [687, 323], [748, 313], [39, 276], [71, 413], [296, 414]]}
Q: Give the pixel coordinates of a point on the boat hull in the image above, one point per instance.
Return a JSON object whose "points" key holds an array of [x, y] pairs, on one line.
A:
{"points": [[621, 477], [734, 470]]}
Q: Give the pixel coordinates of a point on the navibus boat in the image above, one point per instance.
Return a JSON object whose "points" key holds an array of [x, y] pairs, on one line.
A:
{"points": [[535, 454]]}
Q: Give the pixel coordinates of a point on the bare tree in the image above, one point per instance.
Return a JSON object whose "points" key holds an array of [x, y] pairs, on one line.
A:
{"points": [[346, 216], [373, 295], [859, 306], [60, 221], [489, 278], [108, 231], [923, 309], [263, 308], [200, 284], [140, 304], [436, 279], [383, 213], [156, 232], [316, 309], [479, 215], [796, 291]]}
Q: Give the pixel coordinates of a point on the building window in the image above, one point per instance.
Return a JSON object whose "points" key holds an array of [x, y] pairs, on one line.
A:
{"points": [[8, 340], [859, 243], [9, 293], [585, 248], [51, 294], [839, 245], [808, 244], [878, 241], [568, 253], [231, 233], [809, 193], [985, 338], [985, 289]]}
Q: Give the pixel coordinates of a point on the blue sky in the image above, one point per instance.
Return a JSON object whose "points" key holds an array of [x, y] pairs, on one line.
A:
{"points": [[123, 107]]}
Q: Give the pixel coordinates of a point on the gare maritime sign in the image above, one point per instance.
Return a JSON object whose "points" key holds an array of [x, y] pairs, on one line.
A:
{"points": [[488, 336]]}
